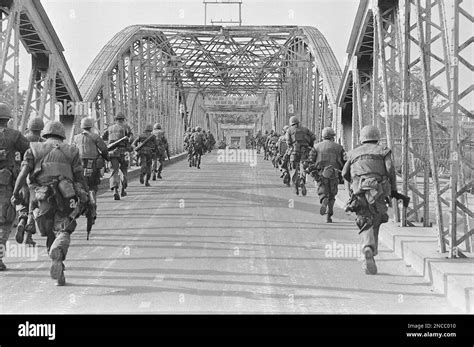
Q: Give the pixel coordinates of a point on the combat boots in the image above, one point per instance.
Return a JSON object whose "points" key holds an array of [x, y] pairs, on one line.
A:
{"points": [[116, 194], [124, 193], [369, 262], [324, 207], [147, 182], [20, 229], [29, 240], [328, 218], [159, 175], [3, 267], [57, 266], [141, 179], [154, 176]]}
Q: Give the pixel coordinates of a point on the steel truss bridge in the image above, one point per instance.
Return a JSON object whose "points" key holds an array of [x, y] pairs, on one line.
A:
{"points": [[407, 52]]}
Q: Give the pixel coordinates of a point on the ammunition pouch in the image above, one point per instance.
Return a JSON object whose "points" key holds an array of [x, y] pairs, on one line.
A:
{"points": [[88, 167], [3, 154], [100, 163], [329, 172], [66, 188], [6, 177]]}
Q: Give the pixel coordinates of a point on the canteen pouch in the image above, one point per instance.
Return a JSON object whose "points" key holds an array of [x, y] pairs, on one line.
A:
{"points": [[5, 177], [66, 188], [329, 172], [42, 193]]}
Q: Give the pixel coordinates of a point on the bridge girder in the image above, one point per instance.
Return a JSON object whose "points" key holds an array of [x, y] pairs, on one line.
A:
{"points": [[405, 54], [191, 62], [51, 81]]}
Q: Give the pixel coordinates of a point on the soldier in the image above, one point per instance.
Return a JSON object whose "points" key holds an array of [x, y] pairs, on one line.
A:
{"points": [[93, 151], [162, 149], [327, 159], [146, 152], [26, 222], [212, 141], [11, 142], [119, 156], [271, 147], [197, 141], [299, 139], [56, 175], [188, 141], [371, 172], [282, 157]]}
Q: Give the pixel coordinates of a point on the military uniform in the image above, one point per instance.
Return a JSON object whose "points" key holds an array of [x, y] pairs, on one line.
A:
{"points": [[118, 156], [160, 152], [197, 145], [146, 153], [299, 139], [370, 170], [56, 174], [328, 159], [271, 147], [25, 209], [93, 152], [11, 141], [211, 141], [282, 158]]}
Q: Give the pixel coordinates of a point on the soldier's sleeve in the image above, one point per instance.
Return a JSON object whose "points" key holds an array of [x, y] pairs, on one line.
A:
{"points": [[28, 160], [313, 154], [22, 143], [105, 135], [78, 170], [390, 167], [346, 171]]}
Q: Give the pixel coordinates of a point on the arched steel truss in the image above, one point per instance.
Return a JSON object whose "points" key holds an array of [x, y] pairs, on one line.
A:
{"points": [[403, 75], [51, 83], [157, 73]]}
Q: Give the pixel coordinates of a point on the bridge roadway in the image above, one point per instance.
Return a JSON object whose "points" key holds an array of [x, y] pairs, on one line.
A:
{"points": [[223, 239]]}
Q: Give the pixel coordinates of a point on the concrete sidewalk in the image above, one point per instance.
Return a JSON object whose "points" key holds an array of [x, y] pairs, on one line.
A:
{"points": [[417, 246]]}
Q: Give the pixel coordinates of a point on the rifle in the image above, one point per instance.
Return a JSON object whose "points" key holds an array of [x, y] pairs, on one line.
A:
{"points": [[400, 196], [139, 147], [115, 144]]}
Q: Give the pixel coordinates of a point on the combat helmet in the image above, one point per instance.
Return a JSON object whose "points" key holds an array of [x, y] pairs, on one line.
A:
{"points": [[157, 126], [120, 115], [36, 124], [149, 128], [87, 123], [294, 120], [5, 111], [369, 133], [328, 133], [54, 128]]}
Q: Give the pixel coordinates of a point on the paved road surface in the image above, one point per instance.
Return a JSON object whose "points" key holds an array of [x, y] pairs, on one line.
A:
{"points": [[226, 238]]}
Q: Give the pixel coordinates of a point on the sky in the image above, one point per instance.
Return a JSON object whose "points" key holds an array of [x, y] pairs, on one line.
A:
{"points": [[85, 26]]}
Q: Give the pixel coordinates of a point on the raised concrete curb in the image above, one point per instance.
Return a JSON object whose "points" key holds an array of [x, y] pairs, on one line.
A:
{"points": [[417, 246], [134, 172]]}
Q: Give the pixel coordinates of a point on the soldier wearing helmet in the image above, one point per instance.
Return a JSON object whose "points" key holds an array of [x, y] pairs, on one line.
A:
{"points": [[300, 140], [371, 172], [162, 149], [26, 224], [119, 156], [211, 141], [326, 162], [93, 152], [282, 158], [56, 174], [11, 143], [197, 148], [146, 145], [270, 146]]}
